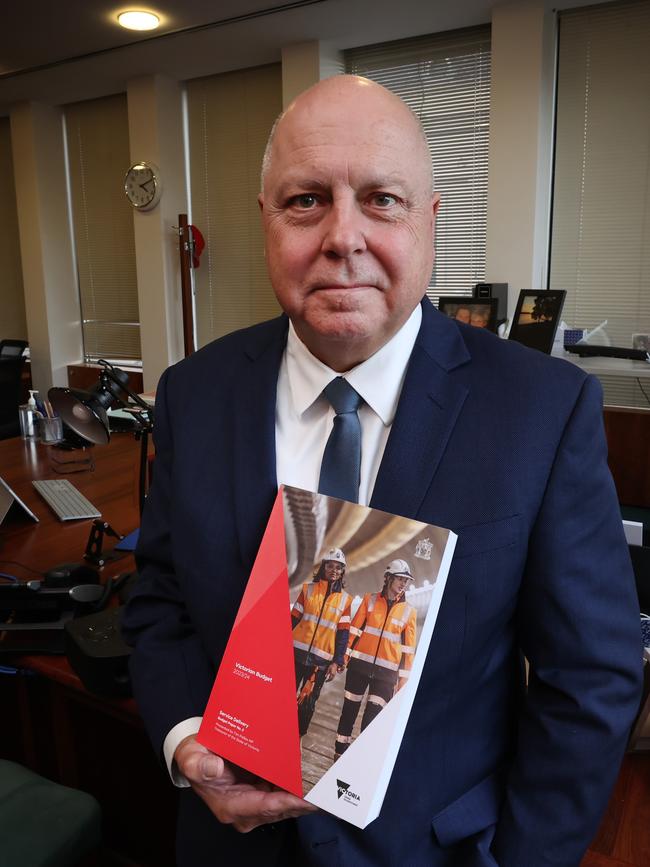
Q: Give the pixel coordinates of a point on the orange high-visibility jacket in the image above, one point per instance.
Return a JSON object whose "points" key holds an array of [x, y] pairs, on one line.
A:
{"points": [[319, 617], [384, 635]]}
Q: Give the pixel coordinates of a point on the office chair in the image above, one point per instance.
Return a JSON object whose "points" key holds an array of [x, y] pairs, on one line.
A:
{"points": [[10, 389], [12, 348], [640, 555], [44, 824], [641, 563]]}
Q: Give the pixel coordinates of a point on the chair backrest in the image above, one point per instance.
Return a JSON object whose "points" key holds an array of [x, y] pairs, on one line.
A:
{"points": [[640, 555], [10, 390], [12, 348]]}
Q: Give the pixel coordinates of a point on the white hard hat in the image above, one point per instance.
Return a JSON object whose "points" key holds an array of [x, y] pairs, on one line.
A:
{"points": [[399, 568], [336, 555]]}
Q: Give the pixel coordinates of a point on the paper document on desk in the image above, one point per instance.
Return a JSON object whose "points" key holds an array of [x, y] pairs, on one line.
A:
{"points": [[322, 603]]}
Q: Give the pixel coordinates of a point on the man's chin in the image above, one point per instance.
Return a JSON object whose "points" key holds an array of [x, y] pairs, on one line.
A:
{"points": [[341, 326]]}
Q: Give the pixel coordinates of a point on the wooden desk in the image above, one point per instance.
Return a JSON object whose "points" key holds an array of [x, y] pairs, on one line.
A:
{"points": [[57, 728], [112, 487], [98, 744]]}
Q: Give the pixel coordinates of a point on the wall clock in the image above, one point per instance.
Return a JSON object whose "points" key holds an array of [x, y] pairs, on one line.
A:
{"points": [[142, 185]]}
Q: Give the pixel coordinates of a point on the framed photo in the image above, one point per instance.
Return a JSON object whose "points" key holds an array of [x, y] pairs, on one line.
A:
{"points": [[480, 312], [537, 317]]}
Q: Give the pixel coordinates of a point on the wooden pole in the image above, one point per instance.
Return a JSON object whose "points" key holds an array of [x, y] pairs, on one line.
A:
{"points": [[185, 246]]}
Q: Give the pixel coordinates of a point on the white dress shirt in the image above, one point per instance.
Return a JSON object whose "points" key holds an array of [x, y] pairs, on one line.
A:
{"points": [[303, 422]]}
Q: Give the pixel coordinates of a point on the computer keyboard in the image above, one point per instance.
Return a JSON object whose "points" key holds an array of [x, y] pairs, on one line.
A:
{"points": [[589, 350], [65, 500]]}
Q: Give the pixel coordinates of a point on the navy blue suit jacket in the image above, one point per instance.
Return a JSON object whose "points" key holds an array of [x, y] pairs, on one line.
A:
{"points": [[506, 447]]}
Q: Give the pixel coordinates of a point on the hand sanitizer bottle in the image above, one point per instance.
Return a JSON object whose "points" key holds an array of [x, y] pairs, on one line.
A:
{"points": [[28, 415]]}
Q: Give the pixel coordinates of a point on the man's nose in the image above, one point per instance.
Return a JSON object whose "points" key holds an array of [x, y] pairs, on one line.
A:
{"points": [[344, 230]]}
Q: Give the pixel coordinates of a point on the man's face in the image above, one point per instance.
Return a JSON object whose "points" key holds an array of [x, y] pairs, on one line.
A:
{"points": [[348, 217], [479, 319], [333, 570]]}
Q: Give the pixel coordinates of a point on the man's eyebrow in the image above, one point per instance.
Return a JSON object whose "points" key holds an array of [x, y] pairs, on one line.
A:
{"points": [[292, 185]]}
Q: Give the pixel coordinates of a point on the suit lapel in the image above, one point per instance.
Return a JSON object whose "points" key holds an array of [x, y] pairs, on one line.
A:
{"points": [[428, 408], [254, 475]]}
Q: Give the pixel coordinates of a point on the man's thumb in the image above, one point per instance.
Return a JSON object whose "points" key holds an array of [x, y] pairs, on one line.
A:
{"points": [[211, 767]]}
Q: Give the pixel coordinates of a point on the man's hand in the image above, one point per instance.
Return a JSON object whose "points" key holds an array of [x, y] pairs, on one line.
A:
{"points": [[235, 797], [332, 671]]}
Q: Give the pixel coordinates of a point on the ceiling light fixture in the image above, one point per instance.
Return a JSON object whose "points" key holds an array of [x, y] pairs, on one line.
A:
{"points": [[138, 20]]}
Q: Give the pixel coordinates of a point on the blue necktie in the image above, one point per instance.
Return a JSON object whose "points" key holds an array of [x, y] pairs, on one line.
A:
{"points": [[341, 466]]}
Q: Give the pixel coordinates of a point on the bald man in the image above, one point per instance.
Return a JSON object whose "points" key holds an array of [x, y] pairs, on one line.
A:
{"points": [[499, 443]]}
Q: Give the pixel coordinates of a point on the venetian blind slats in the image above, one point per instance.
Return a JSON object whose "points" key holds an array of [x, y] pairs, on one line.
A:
{"points": [[98, 152], [445, 80], [600, 249]]}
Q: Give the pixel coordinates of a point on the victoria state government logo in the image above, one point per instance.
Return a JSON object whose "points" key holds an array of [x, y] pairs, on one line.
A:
{"points": [[343, 791]]}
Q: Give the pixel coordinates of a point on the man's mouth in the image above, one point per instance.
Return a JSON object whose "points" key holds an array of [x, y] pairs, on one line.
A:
{"points": [[341, 287]]}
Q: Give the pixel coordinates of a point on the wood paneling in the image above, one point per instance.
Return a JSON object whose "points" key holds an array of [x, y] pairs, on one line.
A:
{"points": [[623, 837], [628, 440]]}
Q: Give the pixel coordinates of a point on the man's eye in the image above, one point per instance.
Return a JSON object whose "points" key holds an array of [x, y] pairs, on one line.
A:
{"points": [[384, 200], [305, 201]]}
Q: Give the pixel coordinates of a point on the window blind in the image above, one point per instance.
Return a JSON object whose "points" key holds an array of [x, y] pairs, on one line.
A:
{"points": [[230, 116], [445, 79], [97, 133], [600, 240], [12, 298]]}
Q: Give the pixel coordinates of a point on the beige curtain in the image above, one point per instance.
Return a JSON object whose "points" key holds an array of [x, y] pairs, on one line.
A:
{"points": [[230, 116], [97, 133], [12, 300]]}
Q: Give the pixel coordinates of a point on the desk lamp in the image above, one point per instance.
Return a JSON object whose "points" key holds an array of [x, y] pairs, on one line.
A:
{"points": [[85, 412]]}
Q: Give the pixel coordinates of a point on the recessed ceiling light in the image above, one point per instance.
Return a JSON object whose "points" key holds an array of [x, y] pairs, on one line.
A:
{"points": [[136, 20]]}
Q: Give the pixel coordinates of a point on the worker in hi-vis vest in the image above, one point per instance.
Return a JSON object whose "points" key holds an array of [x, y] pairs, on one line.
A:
{"points": [[320, 619], [380, 654]]}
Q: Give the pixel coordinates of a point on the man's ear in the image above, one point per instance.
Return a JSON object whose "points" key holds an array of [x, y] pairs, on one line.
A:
{"points": [[260, 201], [435, 204]]}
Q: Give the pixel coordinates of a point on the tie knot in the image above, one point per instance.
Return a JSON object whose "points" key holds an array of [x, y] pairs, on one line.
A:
{"points": [[342, 396]]}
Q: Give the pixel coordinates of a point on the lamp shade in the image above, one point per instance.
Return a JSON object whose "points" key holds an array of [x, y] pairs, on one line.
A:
{"points": [[83, 412]]}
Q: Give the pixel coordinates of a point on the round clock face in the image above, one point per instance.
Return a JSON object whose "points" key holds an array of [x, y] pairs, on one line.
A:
{"points": [[142, 185]]}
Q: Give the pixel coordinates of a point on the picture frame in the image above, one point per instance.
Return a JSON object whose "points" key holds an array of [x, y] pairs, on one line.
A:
{"points": [[479, 312], [537, 317]]}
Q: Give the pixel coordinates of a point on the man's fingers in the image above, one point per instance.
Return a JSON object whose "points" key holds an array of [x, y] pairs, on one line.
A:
{"points": [[201, 766], [245, 807], [246, 824], [211, 767], [235, 797]]}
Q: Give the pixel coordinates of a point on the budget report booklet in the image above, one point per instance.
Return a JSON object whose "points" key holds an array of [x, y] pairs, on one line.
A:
{"points": [[325, 655]]}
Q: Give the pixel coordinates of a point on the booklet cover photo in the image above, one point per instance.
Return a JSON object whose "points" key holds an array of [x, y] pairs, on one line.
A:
{"points": [[324, 658]]}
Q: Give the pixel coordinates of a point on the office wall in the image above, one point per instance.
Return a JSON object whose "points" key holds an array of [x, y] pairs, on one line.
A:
{"points": [[12, 301], [519, 159]]}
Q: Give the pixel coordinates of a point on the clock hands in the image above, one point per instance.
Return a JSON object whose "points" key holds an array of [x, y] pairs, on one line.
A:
{"points": [[142, 186]]}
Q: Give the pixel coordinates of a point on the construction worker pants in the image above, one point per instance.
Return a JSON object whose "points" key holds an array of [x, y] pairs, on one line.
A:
{"points": [[307, 697], [380, 692]]}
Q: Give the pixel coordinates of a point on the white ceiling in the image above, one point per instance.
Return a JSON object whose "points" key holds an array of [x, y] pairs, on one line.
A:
{"points": [[69, 50], [51, 57]]}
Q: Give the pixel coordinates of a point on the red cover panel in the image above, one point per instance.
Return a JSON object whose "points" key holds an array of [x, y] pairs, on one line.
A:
{"points": [[252, 717]]}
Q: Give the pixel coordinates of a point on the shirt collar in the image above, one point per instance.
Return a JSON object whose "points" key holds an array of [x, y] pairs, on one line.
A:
{"points": [[378, 379]]}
